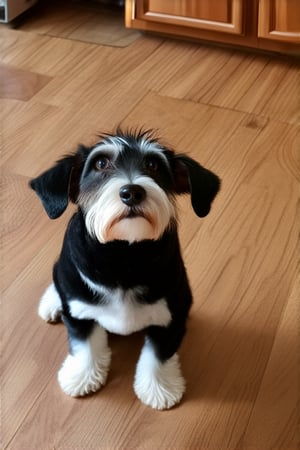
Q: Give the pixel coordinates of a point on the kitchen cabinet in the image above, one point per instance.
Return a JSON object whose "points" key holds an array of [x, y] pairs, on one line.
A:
{"points": [[218, 15], [264, 24], [279, 20]]}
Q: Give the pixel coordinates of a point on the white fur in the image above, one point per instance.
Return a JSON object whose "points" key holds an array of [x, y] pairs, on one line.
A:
{"points": [[86, 369], [105, 208], [159, 385], [121, 312], [50, 306], [115, 145], [96, 288], [132, 229]]}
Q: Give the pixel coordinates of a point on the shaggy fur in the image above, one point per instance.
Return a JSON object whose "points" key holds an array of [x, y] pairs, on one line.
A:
{"points": [[120, 268]]}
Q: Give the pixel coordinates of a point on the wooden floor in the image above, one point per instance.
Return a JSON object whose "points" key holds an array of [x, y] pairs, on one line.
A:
{"points": [[238, 114], [98, 22]]}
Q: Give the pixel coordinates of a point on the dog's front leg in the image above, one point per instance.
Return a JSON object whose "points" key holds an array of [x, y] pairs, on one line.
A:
{"points": [[158, 379], [86, 367], [50, 307]]}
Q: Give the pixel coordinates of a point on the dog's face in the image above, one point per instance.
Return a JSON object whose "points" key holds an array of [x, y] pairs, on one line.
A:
{"points": [[125, 186], [126, 190]]}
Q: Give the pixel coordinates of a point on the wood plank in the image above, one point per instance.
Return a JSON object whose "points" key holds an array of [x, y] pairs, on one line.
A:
{"points": [[24, 372], [81, 20], [25, 226], [129, 74], [43, 54], [275, 414], [267, 90], [250, 83], [20, 84]]}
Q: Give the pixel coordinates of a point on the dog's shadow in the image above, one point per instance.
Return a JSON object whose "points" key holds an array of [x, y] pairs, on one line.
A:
{"points": [[125, 354], [224, 362]]}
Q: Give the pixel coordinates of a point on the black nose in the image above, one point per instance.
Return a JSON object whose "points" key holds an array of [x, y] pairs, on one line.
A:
{"points": [[132, 194]]}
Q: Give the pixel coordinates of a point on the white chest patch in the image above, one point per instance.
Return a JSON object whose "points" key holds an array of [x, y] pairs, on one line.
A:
{"points": [[121, 312]]}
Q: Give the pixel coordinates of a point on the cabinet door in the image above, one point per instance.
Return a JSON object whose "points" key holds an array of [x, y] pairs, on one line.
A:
{"points": [[216, 15], [279, 20]]}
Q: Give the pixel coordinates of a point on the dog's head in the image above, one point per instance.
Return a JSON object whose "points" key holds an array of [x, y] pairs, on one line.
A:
{"points": [[125, 186]]}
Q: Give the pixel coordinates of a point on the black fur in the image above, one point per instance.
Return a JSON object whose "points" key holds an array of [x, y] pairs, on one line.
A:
{"points": [[157, 265]]}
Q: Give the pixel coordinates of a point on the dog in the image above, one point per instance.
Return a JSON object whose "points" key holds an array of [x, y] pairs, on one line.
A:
{"points": [[120, 269]]}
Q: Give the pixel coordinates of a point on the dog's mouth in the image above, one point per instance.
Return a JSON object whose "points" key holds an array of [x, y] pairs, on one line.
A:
{"points": [[133, 213], [132, 225]]}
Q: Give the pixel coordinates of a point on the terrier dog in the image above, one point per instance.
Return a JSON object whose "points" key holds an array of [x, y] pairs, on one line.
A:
{"points": [[120, 269]]}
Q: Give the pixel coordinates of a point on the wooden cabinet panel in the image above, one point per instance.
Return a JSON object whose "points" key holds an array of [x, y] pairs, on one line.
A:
{"points": [[216, 15], [279, 20], [263, 24], [214, 10]]}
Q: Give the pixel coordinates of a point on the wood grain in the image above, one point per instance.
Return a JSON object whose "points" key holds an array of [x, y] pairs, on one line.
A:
{"points": [[80, 20], [238, 115], [19, 84]]}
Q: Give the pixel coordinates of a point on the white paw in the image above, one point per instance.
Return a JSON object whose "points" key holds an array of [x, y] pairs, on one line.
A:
{"points": [[76, 378], [86, 370], [159, 385], [50, 307]]}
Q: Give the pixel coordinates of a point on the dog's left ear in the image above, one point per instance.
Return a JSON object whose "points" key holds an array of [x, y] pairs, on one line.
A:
{"points": [[202, 184]]}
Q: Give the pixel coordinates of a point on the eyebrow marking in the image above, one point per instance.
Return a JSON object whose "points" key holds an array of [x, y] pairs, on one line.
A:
{"points": [[114, 145]]}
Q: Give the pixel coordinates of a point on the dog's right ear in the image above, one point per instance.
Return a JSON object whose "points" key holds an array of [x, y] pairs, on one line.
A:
{"points": [[60, 183], [52, 187]]}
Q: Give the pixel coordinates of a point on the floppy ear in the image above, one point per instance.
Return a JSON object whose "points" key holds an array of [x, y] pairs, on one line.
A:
{"points": [[202, 184], [52, 187]]}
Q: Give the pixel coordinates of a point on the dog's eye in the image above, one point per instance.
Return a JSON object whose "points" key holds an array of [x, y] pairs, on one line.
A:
{"points": [[151, 164], [102, 163]]}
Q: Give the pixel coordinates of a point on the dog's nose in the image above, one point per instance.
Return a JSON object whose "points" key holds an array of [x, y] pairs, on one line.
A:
{"points": [[132, 194]]}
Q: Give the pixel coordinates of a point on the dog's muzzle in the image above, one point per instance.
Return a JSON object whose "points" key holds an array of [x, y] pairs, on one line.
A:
{"points": [[132, 194]]}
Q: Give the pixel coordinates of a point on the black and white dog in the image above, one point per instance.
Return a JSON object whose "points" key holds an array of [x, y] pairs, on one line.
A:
{"points": [[120, 268]]}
